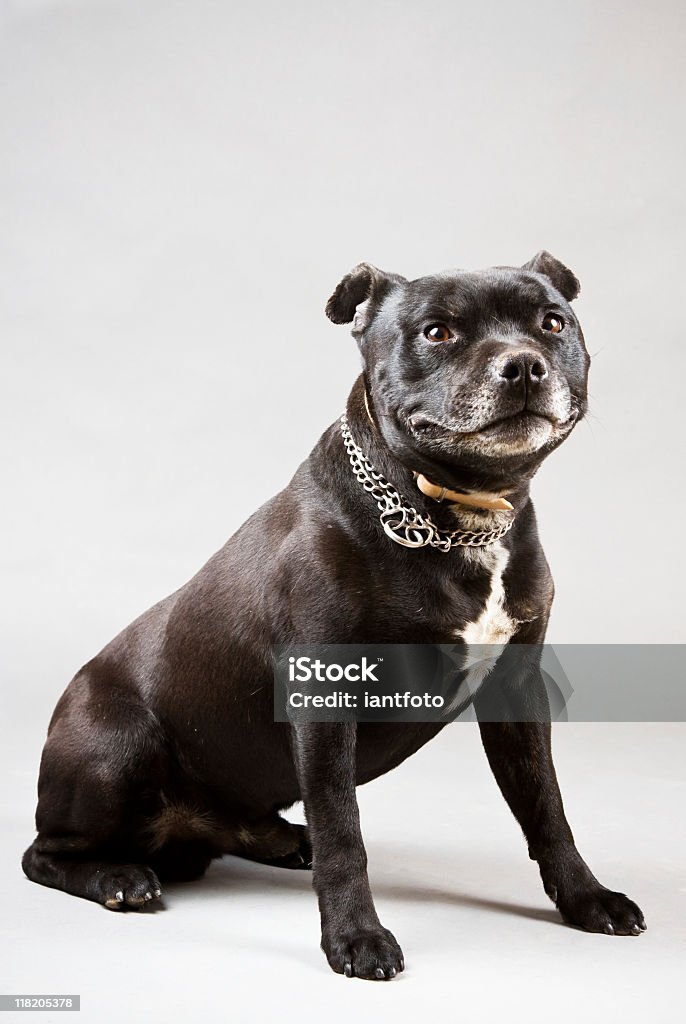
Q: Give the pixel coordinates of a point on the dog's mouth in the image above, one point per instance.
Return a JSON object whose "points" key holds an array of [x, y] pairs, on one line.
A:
{"points": [[514, 426]]}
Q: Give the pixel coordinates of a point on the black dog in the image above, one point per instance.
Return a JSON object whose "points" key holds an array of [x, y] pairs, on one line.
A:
{"points": [[163, 752]]}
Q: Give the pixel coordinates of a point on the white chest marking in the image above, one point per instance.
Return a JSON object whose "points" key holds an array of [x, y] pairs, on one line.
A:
{"points": [[486, 636], [494, 625]]}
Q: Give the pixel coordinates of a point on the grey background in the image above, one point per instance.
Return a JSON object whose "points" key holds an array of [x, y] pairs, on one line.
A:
{"points": [[182, 186]]}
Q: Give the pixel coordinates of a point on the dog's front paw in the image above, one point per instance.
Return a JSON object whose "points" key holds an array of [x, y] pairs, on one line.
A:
{"points": [[374, 955], [598, 909]]}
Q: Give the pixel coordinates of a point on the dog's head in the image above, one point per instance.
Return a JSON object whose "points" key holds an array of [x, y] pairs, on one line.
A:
{"points": [[481, 372]]}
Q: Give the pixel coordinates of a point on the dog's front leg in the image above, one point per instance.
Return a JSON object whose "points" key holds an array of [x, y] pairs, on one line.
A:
{"points": [[521, 759], [353, 938]]}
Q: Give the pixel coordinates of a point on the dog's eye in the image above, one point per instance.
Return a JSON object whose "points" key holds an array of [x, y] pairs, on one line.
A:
{"points": [[438, 332], [552, 323]]}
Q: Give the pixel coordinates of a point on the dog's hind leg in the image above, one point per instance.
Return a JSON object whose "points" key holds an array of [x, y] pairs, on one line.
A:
{"points": [[117, 886], [183, 860], [186, 856], [99, 767], [272, 840]]}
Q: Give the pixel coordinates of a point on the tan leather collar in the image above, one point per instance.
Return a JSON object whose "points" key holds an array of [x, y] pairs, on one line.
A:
{"points": [[472, 499]]}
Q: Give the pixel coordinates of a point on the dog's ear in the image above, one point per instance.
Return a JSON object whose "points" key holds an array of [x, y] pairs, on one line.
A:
{"points": [[357, 293], [561, 276]]}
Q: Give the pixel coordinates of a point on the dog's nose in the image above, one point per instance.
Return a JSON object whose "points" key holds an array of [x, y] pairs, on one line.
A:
{"points": [[522, 367]]}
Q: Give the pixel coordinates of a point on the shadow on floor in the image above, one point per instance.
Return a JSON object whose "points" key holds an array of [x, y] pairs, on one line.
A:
{"points": [[246, 878]]}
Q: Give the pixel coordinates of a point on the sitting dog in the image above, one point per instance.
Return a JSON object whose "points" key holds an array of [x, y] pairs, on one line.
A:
{"points": [[163, 752]]}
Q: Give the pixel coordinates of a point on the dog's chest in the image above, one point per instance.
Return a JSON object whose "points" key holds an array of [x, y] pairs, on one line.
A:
{"points": [[494, 624], [486, 634]]}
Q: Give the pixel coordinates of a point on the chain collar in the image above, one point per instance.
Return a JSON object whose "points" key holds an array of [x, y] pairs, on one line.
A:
{"points": [[402, 523]]}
